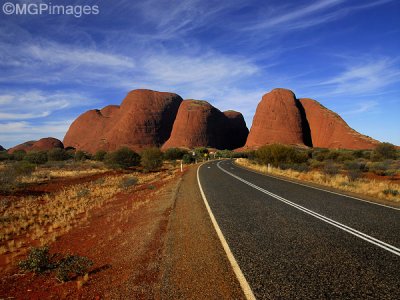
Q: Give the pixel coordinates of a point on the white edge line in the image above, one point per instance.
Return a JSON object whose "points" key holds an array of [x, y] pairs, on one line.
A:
{"points": [[315, 188], [339, 225], [235, 266]]}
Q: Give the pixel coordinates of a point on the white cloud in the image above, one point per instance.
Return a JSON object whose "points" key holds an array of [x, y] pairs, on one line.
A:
{"points": [[366, 77], [288, 18], [362, 108], [197, 70], [36, 104], [13, 133]]}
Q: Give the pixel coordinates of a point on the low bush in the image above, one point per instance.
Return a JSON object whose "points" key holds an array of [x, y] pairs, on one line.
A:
{"points": [[72, 265], [123, 158], [201, 153], [188, 159], [277, 154], [151, 159], [100, 155], [174, 153], [12, 172], [81, 155], [57, 154], [39, 261], [18, 155], [331, 168], [5, 156], [36, 157], [385, 151]]}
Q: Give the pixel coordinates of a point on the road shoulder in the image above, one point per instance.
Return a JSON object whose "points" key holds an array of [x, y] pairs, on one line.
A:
{"points": [[195, 264]]}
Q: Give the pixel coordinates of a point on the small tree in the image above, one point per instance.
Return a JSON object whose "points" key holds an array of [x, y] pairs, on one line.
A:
{"points": [[122, 158], [187, 159], [80, 155], [385, 151], [151, 159], [57, 154], [100, 155], [174, 153], [37, 158], [18, 155]]}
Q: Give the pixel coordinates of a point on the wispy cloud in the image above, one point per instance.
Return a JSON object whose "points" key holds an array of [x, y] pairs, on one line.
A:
{"points": [[20, 105], [365, 77], [362, 108], [204, 69], [286, 18], [13, 133]]}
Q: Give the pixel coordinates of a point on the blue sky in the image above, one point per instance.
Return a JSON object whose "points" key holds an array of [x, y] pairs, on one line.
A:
{"points": [[344, 54]]}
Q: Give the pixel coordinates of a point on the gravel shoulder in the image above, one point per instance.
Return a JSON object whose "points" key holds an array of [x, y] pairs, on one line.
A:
{"points": [[195, 265]]}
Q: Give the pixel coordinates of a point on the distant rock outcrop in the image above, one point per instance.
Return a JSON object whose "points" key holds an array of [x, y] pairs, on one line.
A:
{"points": [[2, 148], [198, 123], [144, 119], [236, 130], [279, 119], [43, 144], [329, 130], [149, 118]]}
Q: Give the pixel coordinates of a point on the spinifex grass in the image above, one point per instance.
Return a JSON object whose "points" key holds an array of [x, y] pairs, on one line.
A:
{"points": [[364, 186]]}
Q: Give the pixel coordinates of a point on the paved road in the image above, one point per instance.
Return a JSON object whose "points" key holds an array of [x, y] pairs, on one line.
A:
{"points": [[295, 242]]}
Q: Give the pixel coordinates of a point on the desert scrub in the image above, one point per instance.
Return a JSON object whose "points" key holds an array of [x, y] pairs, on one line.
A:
{"points": [[72, 265], [151, 159], [365, 186], [45, 217], [40, 260]]}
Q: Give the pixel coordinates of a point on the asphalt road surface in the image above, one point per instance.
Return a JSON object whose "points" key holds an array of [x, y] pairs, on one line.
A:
{"points": [[295, 242]]}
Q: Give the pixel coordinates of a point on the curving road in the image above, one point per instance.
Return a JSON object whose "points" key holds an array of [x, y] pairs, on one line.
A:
{"points": [[296, 242]]}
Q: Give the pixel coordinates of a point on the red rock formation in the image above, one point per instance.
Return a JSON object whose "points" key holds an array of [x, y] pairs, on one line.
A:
{"points": [[329, 130], [40, 145], [144, 119], [236, 131], [278, 119], [198, 123]]}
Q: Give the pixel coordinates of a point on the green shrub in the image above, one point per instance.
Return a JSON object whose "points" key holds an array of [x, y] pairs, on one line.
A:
{"points": [[174, 153], [18, 155], [72, 265], [224, 154], [188, 159], [36, 157], [277, 154], [38, 261], [122, 158], [100, 155], [201, 153], [151, 159], [331, 168], [380, 168], [23, 168], [385, 151], [5, 156], [81, 155], [10, 174], [57, 154]]}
